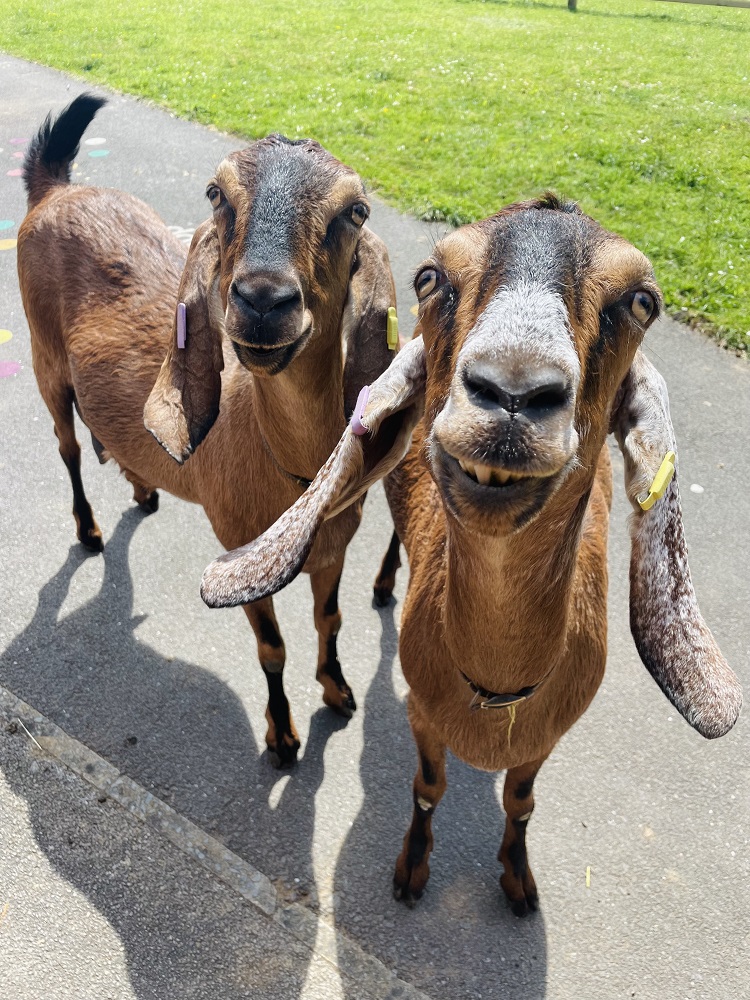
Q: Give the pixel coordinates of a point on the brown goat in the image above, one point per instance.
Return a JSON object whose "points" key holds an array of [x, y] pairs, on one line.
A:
{"points": [[286, 295], [530, 326]]}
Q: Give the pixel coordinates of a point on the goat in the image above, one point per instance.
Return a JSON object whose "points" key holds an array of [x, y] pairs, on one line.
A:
{"points": [[526, 356], [286, 294]]}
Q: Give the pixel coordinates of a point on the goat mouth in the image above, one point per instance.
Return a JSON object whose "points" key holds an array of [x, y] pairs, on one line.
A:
{"points": [[265, 359], [501, 499], [493, 476]]}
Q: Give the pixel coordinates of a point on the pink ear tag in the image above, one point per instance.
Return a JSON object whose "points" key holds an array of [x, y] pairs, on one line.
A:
{"points": [[358, 427], [181, 325]]}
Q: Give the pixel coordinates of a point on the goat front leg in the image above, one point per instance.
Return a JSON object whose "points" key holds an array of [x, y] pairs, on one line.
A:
{"points": [[412, 866], [281, 738], [325, 587], [517, 882]]}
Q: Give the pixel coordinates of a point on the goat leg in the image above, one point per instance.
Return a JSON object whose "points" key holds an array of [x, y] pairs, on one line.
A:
{"points": [[517, 881], [325, 587], [281, 737], [59, 400], [385, 581], [412, 866]]}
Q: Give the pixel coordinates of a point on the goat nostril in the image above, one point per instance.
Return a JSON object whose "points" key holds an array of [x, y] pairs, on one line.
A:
{"points": [[264, 294], [547, 397], [484, 390], [495, 389]]}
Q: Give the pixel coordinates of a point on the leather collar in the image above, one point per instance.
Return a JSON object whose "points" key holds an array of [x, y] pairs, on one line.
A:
{"points": [[491, 699], [299, 480]]}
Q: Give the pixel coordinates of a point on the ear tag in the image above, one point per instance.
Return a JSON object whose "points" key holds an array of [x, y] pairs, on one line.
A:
{"points": [[658, 487], [391, 329], [181, 325], [358, 427]]}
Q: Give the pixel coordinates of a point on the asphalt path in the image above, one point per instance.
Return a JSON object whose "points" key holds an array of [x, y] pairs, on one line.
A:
{"points": [[641, 835]]}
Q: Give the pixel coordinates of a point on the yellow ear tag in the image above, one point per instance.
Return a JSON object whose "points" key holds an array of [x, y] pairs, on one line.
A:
{"points": [[658, 487], [391, 329]]}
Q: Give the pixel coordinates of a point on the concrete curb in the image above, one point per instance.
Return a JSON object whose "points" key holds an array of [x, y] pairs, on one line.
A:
{"points": [[335, 948]]}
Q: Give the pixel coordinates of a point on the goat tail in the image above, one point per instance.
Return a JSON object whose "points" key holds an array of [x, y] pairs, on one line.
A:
{"points": [[54, 147]]}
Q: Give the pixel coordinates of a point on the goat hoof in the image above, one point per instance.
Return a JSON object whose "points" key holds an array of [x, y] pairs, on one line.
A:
{"points": [[150, 504], [527, 902], [382, 596], [344, 704], [283, 755], [409, 880], [404, 894], [92, 540]]}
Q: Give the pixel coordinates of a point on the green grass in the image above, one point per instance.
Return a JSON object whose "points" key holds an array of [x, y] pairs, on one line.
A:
{"points": [[451, 108]]}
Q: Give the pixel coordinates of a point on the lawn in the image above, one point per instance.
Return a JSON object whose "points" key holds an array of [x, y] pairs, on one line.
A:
{"points": [[639, 110]]}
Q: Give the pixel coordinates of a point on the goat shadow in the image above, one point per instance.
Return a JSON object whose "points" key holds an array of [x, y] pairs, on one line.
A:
{"points": [[461, 940], [181, 733]]}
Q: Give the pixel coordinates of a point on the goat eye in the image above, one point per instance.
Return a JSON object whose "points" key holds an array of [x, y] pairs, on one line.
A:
{"points": [[426, 282], [215, 196], [642, 306], [359, 214]]}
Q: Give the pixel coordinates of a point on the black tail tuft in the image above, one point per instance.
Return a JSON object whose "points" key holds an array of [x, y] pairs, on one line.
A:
{"points": [[55, 145]]}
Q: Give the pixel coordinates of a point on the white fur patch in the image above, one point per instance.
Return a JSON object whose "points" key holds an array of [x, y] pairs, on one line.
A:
{"points": [[528, 320]]}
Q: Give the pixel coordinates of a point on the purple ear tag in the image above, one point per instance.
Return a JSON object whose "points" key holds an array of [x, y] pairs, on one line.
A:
{"points": [[358, 427], [181, 325]]}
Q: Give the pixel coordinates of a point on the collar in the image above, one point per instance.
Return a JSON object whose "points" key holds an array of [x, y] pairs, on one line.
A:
{"points": [[490, 699], [299, 480]]}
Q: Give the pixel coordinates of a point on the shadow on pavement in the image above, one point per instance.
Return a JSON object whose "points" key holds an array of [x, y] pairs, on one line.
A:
{"points": [[91, 675], [461, 941]]}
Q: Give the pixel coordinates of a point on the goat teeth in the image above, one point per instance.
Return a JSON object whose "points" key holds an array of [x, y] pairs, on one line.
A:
{"points": [[483, 474], [468, 468]]}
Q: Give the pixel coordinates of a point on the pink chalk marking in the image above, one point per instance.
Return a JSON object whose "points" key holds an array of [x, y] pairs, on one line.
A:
{"points": [[8, 368], [358, 427], [181, 325], [18, 142], [15, 173], [17, 156]]}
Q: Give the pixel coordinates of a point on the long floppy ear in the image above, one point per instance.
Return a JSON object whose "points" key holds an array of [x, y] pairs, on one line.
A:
{"points": [[365, 319], [670, 634], [184, 402], [267, 564]]}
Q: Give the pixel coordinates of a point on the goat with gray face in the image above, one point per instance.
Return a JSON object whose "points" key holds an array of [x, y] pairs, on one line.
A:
{"points": [[527, 356], [286, 294]]}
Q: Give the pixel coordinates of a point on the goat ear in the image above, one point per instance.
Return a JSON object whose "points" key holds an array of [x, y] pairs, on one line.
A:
{"points": [[670, 634], [184, 402], [267, 564], [365, 319]]}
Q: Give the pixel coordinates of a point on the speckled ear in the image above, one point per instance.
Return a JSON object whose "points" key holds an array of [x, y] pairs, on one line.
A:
{"points": [[264, 566], [184, 402], [673, 640]]}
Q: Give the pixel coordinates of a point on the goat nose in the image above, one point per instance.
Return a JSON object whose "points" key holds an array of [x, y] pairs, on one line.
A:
{"points": [[534, 393], [266, 292]]}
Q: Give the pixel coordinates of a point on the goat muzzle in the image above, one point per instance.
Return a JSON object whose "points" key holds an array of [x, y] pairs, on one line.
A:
{"points": [[266, 320]]}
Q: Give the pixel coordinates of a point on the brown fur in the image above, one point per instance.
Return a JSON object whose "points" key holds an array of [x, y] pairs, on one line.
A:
{"points": [[99, 274]]}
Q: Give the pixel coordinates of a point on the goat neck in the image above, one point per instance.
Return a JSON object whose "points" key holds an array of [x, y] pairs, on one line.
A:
{"points": [[312, 387], [506, 600]]}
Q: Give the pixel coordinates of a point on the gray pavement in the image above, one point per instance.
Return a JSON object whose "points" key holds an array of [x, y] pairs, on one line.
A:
{"points": [[120, 653]]}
